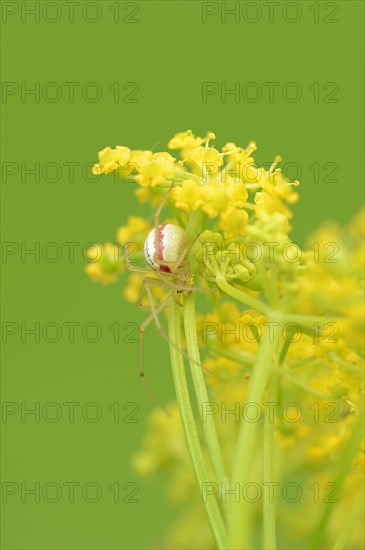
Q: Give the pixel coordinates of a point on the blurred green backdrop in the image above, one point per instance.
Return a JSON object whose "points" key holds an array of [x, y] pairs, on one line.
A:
{"points": [[167, 51]]}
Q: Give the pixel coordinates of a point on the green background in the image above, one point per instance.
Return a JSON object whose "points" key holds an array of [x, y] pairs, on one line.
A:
{"points": [[169, 52]]}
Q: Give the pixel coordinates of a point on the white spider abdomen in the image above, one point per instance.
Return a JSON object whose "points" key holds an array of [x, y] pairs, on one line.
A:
{"points": [[171, 241]]}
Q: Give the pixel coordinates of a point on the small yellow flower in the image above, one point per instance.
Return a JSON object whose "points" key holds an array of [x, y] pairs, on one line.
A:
{"points": [[269, 227], [234, 222], [270, 203], [188, 196], [139, 158], [276, 189], [157, 170], [284, 188], [204, 155], [216, 199], [235, 154], [238, 194], [184, 140], [111, 159]]}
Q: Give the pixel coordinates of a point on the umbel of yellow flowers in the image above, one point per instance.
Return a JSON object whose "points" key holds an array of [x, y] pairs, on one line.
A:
{"points": [[241, 213]]}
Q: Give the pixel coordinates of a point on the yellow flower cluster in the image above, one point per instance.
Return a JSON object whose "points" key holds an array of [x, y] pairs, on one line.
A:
{"points": [[217, 182], [242, 215]]}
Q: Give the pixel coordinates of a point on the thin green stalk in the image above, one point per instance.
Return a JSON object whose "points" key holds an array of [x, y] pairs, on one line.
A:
{"points": [[243, 357], [274, 283], [345, 466], [264, 308], [355, 515], [190, 430], [267, 286], [247, 439], [308, 319], [181, 175], [194, 224], [242, 297], [269, 528], [201, 390], [287, 342], [307, 389], [346, 365]]}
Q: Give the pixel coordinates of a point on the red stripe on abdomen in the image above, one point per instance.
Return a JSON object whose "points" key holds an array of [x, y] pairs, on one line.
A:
{"points": [[161, 247]]}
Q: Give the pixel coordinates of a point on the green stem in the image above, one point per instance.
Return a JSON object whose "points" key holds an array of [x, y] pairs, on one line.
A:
{"points": [[181, 175], [307, 389], [346, 531], [267, 285], [264, 308], [285, 348], [242, 297], [201, 390], [243, 357], [240, 517], [269, 529], [190, 430], [357, 371], [308, 319], [345, 466], [194, 224]]}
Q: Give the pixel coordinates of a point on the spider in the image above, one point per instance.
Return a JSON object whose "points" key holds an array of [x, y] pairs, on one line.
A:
{"points": [[165, 251]]}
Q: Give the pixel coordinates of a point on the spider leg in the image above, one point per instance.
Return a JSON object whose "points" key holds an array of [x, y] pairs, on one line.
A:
{"points": [[156, 216], [141, 330], [130, 266], [178, 286], [154, 315], [150, 281], [163, 277], [160, 282], [177, 302]]}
